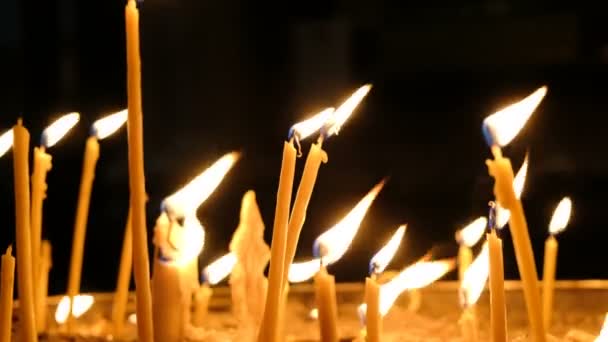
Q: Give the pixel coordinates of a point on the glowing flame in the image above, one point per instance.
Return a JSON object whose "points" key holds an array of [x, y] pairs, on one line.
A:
{"points": [[603, 336], [82, 304], [219, 269], [502, 214], [346, 109], [55, 131], [314, 314], [501, 127], [187, 200], [470, 234], [189, 240], [475, 277], [331, 245], [416, 276], [6, 141], [305, 128], [302, 271], [384, 256], [561, 216], [104, 127], [132, 318]]}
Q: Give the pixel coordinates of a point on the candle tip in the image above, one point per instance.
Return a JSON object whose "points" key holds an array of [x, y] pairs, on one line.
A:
{"points": [[20, 122], [9, 250]]}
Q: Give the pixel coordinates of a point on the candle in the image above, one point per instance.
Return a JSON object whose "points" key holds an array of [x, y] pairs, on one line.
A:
{"points": [[500, 129], [325, 299], [212, 274], [121, 296], [136, 176], [558, 223], [471, 287], [25, 284], [101, 129], [498, 309], [7, 279], [502, 214], [467, 237], [42, 286]]}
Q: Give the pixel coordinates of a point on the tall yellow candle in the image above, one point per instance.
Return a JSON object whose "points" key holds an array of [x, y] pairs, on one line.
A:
{"points": [[465, 257], [42, 165], [269, 329], [325, 299], [373, 318], [7, 279], [201, 303], [141, 262], [42, 286], [21, 144], [121, 296], [498, 309], [558, 223]]}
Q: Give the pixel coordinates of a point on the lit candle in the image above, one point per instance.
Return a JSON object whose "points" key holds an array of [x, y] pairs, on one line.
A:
{"points": [[101, 129], [42, 286], [82, 304], [137, 184], [472, 285], [377, 265], [212, 274], [121, 296], [500, 128], [498, 309], [467, 237], [558, 223], [502, 214], [25, 289], [7, 279]]}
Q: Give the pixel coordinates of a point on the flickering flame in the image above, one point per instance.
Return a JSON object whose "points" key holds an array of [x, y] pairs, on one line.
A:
{"points": [[603, 336], [305, 128], [105, 126], [219, 269], [501, 127], [82, 304], [384, 256], [314, 314], [561, 216], [470, 234], [132, 318], [345, 110], [302, 271], [6, 141], [475, 278], [187, 200], [55, 131], [331, 245], [502, 214]]}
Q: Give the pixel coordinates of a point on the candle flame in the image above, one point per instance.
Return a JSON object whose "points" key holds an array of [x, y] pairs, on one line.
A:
{"points": [[501, 127], [6, 141], [219, 269], [55, 131], [416, 276], [561, 216], [82, 304], [345, 110], [187, 200], [471, 234], [475, 278], [105, 126], [189, 240], [502, 214], [331, 245], [302, 271], [305, 128], [384, 256], [132, 318], [314, 314], [603, 336]]}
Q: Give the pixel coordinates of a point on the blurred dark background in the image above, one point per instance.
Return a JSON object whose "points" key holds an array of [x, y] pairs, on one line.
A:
{"points": [[235, 75]]}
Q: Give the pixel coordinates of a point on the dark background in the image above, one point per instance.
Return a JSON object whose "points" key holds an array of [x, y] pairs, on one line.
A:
{"points": [[235, 75]]}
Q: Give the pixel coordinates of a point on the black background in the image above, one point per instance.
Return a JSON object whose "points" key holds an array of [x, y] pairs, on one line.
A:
{"points": [[235, 75]]}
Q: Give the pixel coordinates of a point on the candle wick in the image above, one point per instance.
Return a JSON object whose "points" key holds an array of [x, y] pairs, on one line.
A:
{"points": [[296, 140]]}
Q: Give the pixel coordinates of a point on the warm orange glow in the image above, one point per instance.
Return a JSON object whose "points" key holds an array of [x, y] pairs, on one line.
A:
{"points": [[219, 269], [346, 109], [187, 200], [502, 214], [561, 216], [55, 131], [384, 256], [331, 245], [305, 128], [603, 336], [314, 314], [475, 278], [470, 234], [501, 127], [302, 271], [6, 141], [105, 126], [82, 304]]}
